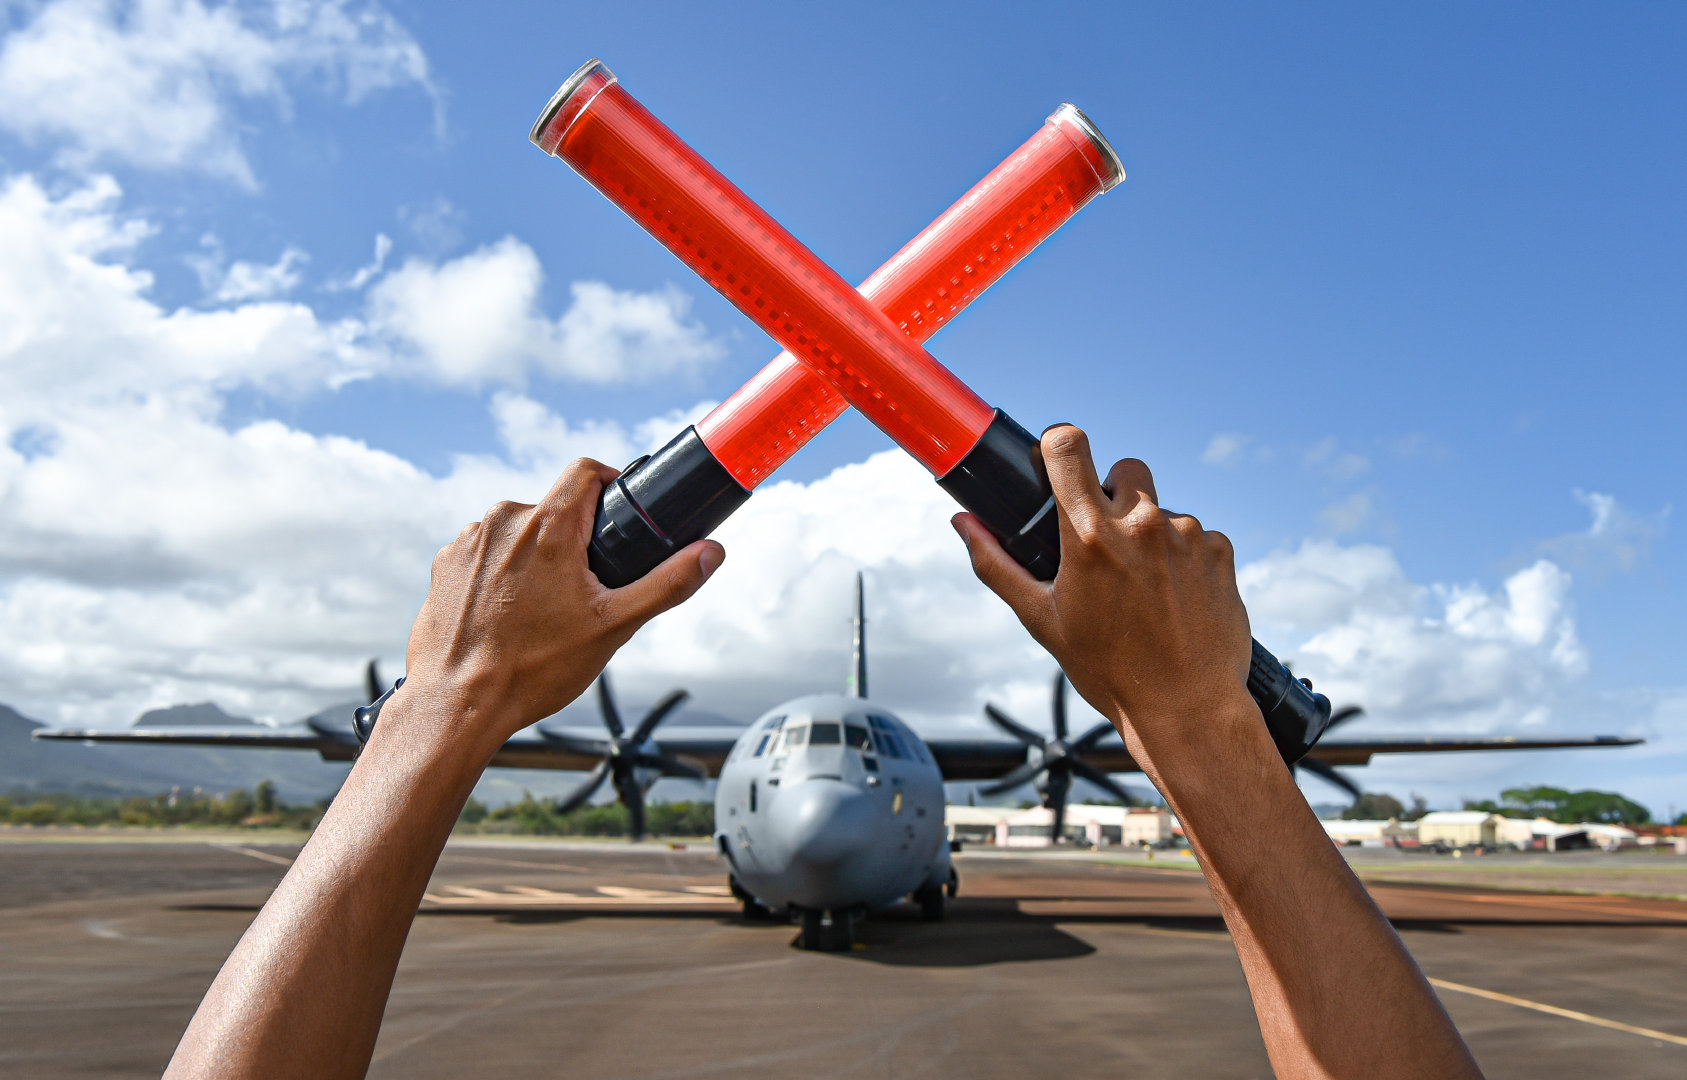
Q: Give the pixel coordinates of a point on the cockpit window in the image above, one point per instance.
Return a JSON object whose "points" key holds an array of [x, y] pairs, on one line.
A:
{"points": [[775, 723], [761, 745], [826, 733], [856, 736], [796, 735]]}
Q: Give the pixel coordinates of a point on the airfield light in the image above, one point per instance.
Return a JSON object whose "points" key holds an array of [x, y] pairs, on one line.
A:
{"points": [[989, 463]]}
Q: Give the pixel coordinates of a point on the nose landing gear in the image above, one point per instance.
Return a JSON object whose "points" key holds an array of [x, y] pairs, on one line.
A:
{"points": [[827, 931]]}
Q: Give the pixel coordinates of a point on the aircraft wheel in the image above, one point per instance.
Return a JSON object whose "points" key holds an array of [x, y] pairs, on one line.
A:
{"points": [[933, 902], [824, 931], [754, 910], [954, 885]]}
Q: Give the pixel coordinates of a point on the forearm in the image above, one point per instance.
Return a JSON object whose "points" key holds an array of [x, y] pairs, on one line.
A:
{"points": [[303, 992], [1335, 989]]}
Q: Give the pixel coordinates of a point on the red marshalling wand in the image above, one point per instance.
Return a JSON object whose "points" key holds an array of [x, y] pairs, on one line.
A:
{"points": [[983, 458]]}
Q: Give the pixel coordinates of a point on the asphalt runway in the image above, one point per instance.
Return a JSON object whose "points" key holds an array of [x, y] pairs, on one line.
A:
{"points": [[585, 961]]}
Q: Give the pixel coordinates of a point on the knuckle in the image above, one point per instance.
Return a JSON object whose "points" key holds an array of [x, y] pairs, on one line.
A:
{"points": [[1147, 521], [1221, 546]]}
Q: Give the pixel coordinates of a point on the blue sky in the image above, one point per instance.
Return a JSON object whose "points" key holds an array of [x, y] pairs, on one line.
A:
{"points": [[1400, 283]]}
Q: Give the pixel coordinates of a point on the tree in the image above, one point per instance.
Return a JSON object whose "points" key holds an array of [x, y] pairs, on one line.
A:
{"points": [[1565, 807], [1374, 806], [263, 797]]}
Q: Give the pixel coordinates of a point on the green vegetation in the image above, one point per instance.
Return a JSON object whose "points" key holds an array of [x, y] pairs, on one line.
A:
{"points": [[1567, 807], [260, 809], [255, 809], [1375, 806], [539, 817]]}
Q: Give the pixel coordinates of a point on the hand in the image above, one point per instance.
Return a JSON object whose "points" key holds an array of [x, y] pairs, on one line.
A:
{"points": [[1144, 615], [516, 625]]}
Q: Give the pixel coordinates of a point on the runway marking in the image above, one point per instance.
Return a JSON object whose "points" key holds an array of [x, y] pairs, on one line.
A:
{"points": [[606, 896], [495, 861], [1554, 1010], [1560, 903], [279, 860]]}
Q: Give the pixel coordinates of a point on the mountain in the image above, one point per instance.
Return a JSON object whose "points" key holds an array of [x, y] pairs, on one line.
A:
{"points": [[204, 714], [27, 765]]}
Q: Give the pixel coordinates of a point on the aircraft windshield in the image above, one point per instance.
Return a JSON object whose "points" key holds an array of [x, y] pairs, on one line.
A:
{"points": [[796, 735], [856, 736], [826, 733]]}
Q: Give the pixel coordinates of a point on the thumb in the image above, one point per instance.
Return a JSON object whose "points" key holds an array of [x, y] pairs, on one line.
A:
{"points": [[672, 583], [1027, 596]]}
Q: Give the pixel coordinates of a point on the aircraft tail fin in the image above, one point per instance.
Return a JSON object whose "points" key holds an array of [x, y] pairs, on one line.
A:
{"points": [[858, 666]]}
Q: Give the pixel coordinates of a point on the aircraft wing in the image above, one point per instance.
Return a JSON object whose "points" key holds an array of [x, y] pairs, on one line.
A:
{"points": [[522, 752], [570, 752], [289, 738], [1359, 751], [987, 759]]}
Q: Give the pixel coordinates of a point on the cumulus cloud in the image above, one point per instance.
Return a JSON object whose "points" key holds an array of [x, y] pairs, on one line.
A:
{"points": [[153, 83], [478, 319], [1349, 514], [1440, 657]]}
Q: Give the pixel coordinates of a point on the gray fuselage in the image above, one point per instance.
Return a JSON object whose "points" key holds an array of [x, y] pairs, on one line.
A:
{"points": [[831, 803]]}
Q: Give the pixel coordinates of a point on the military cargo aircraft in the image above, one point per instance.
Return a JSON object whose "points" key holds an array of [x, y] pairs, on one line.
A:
{"points": [[828, 806]]}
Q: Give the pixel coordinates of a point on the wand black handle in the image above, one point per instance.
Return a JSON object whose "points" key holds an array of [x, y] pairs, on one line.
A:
{"points": [[658, 505], [1003, 483]]}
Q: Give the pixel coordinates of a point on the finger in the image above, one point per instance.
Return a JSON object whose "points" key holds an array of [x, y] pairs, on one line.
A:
{"points": [[572, 501], [1027, 596], [1128, 482], [1071, 470], [582, 478], [672, 583]]}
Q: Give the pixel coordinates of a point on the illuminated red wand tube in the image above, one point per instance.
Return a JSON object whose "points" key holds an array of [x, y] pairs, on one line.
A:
{"points": [[989, 463], [1033, 192]]}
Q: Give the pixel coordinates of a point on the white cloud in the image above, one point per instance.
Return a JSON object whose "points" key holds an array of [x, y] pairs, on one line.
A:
{"points": [[1616, 538], [477, 319], [369, 271], [1445, 657], [242, 280], [1225, 448], [1349, 514], [152, 83], [1341, 465]]}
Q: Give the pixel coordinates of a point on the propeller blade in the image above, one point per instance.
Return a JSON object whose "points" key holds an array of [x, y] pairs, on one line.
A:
{"points": [[1014, 727], [1103, 781], [1327, 772], [606, 706], [1342, 716], [372, 685], [586, 790], [658, 713], [1089, 738], [1008, 781], [672, 766], [578, 744], [1059, 710], [1059, 808], [635, 807]]}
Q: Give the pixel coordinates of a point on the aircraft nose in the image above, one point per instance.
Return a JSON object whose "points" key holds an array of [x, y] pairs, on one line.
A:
{"points": [[824, 822]]}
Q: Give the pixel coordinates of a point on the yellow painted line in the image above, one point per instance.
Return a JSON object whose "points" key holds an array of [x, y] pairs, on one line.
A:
{"points": [[279, 860], [1568, 1014]]}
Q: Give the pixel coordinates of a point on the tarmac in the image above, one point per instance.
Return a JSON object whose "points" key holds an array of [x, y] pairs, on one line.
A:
{"points": [[607, 960]]}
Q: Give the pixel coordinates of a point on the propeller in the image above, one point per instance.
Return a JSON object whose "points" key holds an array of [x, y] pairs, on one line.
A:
{"points": [[630, 761], [1323, 769], [1057, 760]]}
